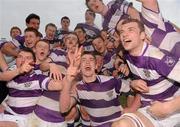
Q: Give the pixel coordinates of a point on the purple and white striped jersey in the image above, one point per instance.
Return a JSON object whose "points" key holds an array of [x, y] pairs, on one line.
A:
{"points": [[24, 92], [100, 99], [159, 70], [108, 61], [161, 31], [117, 10], [58, 56], [47, 107], [87, 45], [91, 30]]}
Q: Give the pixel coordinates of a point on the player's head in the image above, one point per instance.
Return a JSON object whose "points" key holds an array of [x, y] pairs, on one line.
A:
{"points": [[33, 20], [90, 16], [15, 31], [81, 33], [99, 44], [65, 22], [50, 31], [96, 6]]}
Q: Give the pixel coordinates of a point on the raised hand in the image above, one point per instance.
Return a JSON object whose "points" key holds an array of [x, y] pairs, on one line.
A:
{"points": [[26, 67]]}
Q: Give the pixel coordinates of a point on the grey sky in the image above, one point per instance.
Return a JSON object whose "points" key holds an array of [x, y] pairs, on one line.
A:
{"points": [[14, 12]]}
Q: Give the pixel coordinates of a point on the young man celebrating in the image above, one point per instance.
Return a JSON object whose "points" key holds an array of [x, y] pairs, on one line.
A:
{"points": [[97, 94], [158, 70]]}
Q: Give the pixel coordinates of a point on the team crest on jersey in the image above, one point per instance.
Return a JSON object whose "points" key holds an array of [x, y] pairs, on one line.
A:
{"points": [[170, 61], [110, 93], [147, 73], [28, 84]]}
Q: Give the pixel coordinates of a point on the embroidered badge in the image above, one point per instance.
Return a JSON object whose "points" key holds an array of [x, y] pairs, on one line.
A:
{"points": [[147, 73], [169, 61], [28, 84]]}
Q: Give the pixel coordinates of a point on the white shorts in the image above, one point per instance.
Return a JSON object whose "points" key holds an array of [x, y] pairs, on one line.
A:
{"points": [[170, 121], [35, 121], [20, 120]]}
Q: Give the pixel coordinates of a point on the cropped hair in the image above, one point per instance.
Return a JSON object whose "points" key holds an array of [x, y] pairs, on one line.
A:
{"points": [[32, 16]]}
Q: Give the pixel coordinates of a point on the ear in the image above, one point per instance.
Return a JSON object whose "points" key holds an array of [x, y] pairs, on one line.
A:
{"points": [[142, 35]]}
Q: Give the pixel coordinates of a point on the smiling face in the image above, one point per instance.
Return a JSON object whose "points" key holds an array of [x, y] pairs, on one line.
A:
{"points": [[30, 39], [88, 65], [96, 6], [41, 50], [50, 32], [131, 36], [99, 45]]}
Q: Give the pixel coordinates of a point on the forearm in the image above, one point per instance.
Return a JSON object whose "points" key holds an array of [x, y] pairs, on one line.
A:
{"points": [[66, 101], [45, 66], [135, 103], [8, 49], [9, 75]]}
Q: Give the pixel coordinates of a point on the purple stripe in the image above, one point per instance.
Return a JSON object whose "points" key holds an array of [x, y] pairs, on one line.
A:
{"points": [[147, 23], [176, 50], [108, 16], [105, 118], [89, 27], [163, 95], [99, 103], [149, 82], [29, 78], [64, 64], [99, 87], [23, 110], [145, 103], [48, 115], [157, 37], [59, 52], [24, 93], [52, 95], [169, 27]]}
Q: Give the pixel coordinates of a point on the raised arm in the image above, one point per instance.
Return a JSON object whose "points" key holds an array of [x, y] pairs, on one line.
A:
{"points": [[68, 93], [150, 4]]}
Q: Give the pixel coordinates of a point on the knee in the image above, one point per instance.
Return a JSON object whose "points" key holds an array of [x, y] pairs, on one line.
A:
{"points": [[122, 123]]}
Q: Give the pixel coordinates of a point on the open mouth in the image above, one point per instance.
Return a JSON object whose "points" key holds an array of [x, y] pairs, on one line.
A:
{"points": [[42, 53], [87, 68]]}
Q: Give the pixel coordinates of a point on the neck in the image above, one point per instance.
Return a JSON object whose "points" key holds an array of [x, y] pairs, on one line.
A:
{"points": [[138, 50], [90, 23], [89, 79]]}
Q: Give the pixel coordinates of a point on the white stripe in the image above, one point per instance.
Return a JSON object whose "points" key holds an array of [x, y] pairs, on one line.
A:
{"points": [[154, 52], [31, 85], [160, 87], [44, 84], [22, 101], [169, 41], [155, 18], [103, 112], [99, 95], [140, 72], [48, 103]]}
